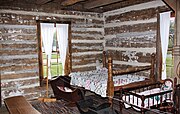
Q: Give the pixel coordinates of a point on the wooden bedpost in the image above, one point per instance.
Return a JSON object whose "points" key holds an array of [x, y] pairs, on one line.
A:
{"points": [[120, 101], [152, 76], [110, 83], [104, 59], [175, 82], [142, 105]]}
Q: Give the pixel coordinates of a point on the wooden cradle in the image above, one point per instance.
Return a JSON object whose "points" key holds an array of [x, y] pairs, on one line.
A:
{"points": [[114, 72], [59, 84], [147, 97]]}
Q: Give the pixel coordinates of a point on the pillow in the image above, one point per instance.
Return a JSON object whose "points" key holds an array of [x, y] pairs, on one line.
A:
{"points": [[67, 89], [60, 88]]}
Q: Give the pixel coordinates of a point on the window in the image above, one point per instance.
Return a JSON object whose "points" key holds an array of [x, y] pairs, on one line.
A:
{"points": [[54, 49], [55, 63], [169, 58]]}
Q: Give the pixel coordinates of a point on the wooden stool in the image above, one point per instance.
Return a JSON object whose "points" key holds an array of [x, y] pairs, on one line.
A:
{"points": [[19, 105]]}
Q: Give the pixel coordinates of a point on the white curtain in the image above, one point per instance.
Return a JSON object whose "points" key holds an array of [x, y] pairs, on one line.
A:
{"points": [[164, 32], [62, 37], [47, 33]]}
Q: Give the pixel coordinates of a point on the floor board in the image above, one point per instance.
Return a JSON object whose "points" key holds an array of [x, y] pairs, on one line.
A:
{"points": [[3, 109]]}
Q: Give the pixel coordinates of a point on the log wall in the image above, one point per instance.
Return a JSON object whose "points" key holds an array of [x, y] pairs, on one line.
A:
{"points": [[130, 33], [19, 46], [127, 34]]}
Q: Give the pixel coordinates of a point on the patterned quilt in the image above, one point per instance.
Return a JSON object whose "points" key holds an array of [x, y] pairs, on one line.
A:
{"points": [[96, 80]]}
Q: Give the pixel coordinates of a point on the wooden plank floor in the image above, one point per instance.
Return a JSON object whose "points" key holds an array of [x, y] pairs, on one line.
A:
{"points": [[3, 109]]}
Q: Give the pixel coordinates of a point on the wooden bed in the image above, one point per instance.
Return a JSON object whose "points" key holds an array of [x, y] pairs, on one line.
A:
{"points": [[113, 73]]}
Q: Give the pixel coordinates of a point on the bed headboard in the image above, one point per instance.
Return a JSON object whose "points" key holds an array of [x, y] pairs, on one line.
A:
{"points": [[104, 59], [108, 63]]}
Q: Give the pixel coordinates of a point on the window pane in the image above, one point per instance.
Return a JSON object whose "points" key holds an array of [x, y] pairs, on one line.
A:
{"points": [[56, 66], [169, 58]]}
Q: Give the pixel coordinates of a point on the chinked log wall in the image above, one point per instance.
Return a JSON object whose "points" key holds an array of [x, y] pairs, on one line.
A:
{"points": [[130, 33], [19, 46], [130, 36]]}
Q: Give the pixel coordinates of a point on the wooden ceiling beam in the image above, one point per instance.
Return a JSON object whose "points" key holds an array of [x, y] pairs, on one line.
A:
{"points": [[99, 3], [41, 2], [171, 3], [70, 2]]}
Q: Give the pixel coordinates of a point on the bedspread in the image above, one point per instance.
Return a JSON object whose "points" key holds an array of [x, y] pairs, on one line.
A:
{"points": [[96, 80]]}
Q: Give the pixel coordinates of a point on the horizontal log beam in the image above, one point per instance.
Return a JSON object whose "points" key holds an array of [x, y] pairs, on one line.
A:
{"points": [[171, 3], [99, 3], [131, 70], [136, 84], [70, 2], [41, 2]]}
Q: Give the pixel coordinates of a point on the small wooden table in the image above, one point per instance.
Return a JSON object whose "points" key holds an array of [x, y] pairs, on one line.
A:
{"points": [[19, 105]]}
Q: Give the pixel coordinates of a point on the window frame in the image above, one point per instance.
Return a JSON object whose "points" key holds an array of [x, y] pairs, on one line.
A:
{"points": [[68, 66]]}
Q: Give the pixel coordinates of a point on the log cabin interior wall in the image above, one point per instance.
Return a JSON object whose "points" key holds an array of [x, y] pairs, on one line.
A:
{"points": [[19, 48], [128, 34], [131, 33]]}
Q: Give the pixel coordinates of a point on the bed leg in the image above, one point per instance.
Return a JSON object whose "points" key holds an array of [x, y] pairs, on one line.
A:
{"points": [[111, 101], [120, 100], [142, 109], [110, 83]]}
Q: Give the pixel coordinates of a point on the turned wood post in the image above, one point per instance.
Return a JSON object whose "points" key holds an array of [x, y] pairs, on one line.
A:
{"points": [[110, 83], [104, 59], [120, 98], [175, 82], [142, 105], [152, 76], [40, 56]]}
